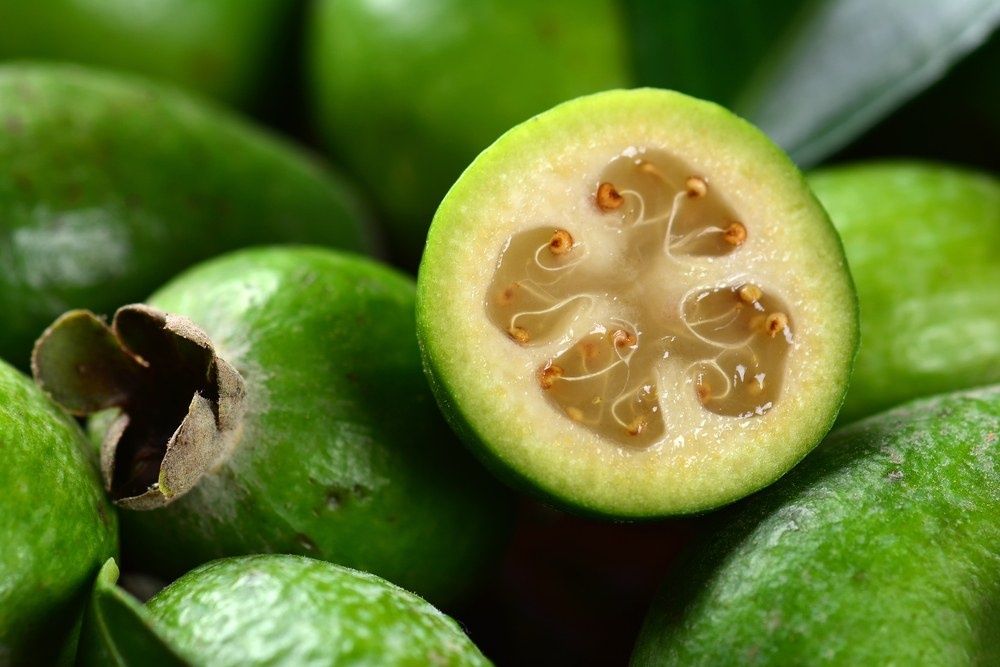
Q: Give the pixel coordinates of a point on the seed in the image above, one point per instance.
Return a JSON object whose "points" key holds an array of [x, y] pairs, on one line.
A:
{"points": [[589, 350], [650, 168], [548, 375], [704, 392], [576, 414], [776, 323], [750, 293], [637, 426], [608, 198], [735, 234], [623, 338], [561, 242], [696, 187], [519, 335]]}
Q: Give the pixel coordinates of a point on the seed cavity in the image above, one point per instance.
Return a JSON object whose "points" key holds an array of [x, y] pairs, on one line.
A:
{"points": [[601, 333]]}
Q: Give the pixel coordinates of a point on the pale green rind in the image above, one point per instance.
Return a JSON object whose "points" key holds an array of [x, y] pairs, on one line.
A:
{"points": [[56, 526], [289, 610], [922, 241], [454, 371], [881, 548]]}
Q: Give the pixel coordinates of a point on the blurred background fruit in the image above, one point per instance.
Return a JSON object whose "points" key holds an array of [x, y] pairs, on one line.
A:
{"points": [[224, 49]]}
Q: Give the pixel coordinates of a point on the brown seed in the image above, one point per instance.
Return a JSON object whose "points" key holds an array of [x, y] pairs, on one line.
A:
{"points": [[704, 392], [776, 323], [623, 338], [519, 335], [576, 414], [608, 198], [561, 242], [548, 376], [750, 293], [696, 187], [637, 426], [735, 234]]}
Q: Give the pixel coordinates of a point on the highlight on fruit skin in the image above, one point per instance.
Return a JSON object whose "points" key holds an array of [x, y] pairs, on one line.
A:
{"points": [[880, 548], [633, 306], [273, 610]]}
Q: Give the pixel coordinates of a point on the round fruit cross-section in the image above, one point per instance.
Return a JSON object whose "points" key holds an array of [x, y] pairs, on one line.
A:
{"points": [[633, 305]]}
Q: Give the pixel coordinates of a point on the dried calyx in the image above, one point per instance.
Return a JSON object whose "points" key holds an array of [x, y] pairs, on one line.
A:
{"points": [[729, 341], [180, 406]]}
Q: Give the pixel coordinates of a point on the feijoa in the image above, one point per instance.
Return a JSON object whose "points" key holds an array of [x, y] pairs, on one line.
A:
{"points": [[272, 400], [220, 48], [633, 305], [881, 548], [56, 526], [109, 186], [273, 610], [408, 93], [922, 241]]}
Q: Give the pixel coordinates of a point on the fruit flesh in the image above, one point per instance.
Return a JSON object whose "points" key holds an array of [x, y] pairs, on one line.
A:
{"points": [[158, 182], [544, 178], [56, 527], [881, 547], [922, 240]]}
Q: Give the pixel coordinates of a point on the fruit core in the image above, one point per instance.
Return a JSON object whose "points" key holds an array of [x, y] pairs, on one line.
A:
{"points": [[631, 280]]}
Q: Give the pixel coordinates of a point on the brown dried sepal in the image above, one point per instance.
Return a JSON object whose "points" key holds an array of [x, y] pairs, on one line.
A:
{"points": [[180, 405]]}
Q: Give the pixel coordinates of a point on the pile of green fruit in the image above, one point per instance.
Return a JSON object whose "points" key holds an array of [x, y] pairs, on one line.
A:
{"points": [[243, 441]]}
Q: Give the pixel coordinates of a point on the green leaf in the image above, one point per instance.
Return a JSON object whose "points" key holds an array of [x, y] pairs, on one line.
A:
{"points": [[118, 631], [848, 63]]}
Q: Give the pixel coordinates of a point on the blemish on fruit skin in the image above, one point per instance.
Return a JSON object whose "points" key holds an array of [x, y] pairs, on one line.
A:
{"points": [[895, 475]]}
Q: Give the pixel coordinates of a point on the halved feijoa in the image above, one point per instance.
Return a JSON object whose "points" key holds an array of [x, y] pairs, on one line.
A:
{"points": [[633, 304]]}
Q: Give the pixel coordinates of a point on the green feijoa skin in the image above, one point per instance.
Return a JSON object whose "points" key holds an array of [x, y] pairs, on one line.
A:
{"points": [[467, 72], [273, 401], [881, 548], [633, 305], [273, 610], [220, 48], [922, 241], [109, 186], [56, 526]]}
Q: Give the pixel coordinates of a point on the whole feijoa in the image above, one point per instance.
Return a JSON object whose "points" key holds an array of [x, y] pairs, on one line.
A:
{"points": [[273, 610], [110, 185], [272, 400], [407, 94], [222, 48], [56, 526], [881, 548], [633, 305], [922, 240]]}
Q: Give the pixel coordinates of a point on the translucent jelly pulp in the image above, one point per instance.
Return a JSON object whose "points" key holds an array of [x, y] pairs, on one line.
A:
{"points": [[730, 342]]}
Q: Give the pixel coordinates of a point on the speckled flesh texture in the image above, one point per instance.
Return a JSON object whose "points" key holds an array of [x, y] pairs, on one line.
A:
{"points": [[881, 548], [109, 186], [343, 455], [289, 610], [220, 48], [56, 527], [471, 71], [544, 172], [922, 241]]}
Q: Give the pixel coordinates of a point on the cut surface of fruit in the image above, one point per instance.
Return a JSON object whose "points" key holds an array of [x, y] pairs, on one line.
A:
{"points": [[634, 305]]}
